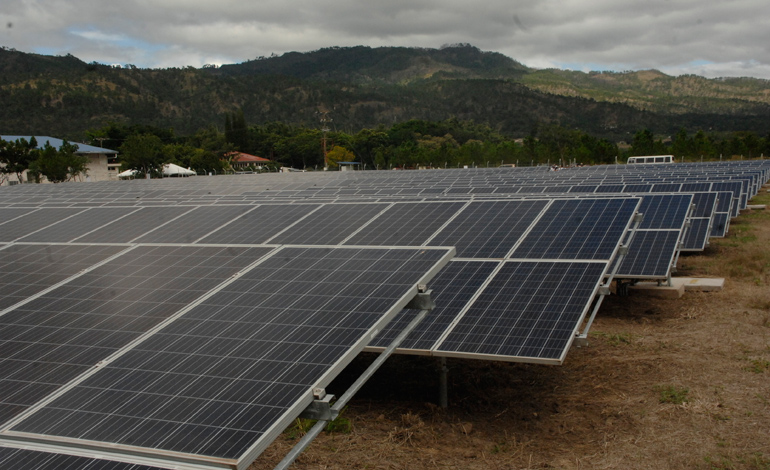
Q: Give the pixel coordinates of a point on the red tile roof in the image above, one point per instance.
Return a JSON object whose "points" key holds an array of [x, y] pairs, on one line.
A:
{"points": [[241, 157]]}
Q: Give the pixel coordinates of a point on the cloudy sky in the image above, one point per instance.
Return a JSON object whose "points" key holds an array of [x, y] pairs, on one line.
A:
{"points": [[713, 38]]}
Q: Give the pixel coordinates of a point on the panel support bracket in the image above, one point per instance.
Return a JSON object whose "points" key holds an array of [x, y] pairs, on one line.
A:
{"points": [[320, 409], [326, 411]]}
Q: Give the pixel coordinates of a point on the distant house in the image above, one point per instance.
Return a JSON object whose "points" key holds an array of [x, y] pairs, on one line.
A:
{"points": [[240, 160], [102, 162]]}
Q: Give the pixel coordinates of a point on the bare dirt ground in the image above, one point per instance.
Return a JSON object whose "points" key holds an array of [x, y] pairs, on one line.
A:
{"points": [[663, 384]]}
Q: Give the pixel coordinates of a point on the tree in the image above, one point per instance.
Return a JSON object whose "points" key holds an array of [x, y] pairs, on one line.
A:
{"points": [[682, 145], [236, 132], [142, 152], [643, 143], [60, 165], [16, 156], [339, 154]]}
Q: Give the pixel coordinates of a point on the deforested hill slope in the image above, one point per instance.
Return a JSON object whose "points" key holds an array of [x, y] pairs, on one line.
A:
{"points": [[656, 91]]}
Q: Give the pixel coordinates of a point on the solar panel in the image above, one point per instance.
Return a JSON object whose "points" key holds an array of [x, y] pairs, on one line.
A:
{"points": [[52, 339], [229, 375], [488, 229], [719, 225], [405, 224], [705, 204], [260, 224], [650, 255], [194, 225], [578, 229], [26, 270], [11, 458], [133, 225], [664, 211], [530, 310], [78, 225], [696, 236], [33, 221], [329, 225], [453, 287]]}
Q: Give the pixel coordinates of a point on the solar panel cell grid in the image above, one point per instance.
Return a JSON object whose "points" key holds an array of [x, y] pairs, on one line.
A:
{"points": [[529, 309], [93, 315], [650, 254], [258, 225], [305, 310], [33, 221], [489, 229], [329, 225], [31, 459], [132, 226], [452, 288], [405, 224], [78, 225], [697, 234], [26, 270], [578, 229]]}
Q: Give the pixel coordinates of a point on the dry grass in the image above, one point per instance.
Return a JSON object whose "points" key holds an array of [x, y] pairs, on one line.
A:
{"points": [[618, 403]]}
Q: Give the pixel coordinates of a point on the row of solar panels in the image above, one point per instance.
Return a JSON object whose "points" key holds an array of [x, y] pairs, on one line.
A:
{"points": [[393, 224], [428, 184], [183, 384], [482, 229], [148, 348], [203, 353]]}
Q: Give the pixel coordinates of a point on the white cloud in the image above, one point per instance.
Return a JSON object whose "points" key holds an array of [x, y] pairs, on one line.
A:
{"points": [[99, 36]]}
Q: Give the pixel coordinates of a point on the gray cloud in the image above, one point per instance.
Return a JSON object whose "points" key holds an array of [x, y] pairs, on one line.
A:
{"points": [[714, 38]]}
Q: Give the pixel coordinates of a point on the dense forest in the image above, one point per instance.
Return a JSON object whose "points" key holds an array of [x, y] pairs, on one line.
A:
{"points": [[410, 144], [364, 88]]}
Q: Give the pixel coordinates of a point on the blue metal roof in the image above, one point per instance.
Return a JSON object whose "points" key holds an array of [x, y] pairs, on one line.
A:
{"points": [[54, 142]]}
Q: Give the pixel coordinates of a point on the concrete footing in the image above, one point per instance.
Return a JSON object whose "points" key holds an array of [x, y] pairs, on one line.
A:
{"points": [[652, 289], [696, 284], [679, 285]]}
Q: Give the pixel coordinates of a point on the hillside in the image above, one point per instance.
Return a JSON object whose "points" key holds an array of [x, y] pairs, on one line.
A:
{"points": [[656, 91], [364, 87]]}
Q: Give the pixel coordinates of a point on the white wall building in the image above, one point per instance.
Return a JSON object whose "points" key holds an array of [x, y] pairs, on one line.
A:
{"points": [[102, 162]]}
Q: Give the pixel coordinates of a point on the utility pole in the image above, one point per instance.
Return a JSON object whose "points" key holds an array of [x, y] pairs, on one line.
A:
{"points": [[324, 129]]}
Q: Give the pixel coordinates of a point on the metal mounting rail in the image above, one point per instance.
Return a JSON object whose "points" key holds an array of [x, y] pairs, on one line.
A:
{"points": [[324, 411], [604, 290]]}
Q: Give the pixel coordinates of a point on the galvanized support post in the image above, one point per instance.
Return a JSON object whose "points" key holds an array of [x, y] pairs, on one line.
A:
{"points": [[443, 393], [581, 339]]}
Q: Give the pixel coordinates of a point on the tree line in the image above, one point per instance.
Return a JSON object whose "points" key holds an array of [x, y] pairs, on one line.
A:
{"points": [[415, 143], [449, 143], [57, 165]]}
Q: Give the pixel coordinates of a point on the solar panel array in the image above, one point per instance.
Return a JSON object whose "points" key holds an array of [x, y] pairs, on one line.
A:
{"points": [[191, 320], [653, 251], [11, 458]]}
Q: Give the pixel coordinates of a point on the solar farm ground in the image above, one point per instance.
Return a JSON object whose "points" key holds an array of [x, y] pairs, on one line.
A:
{"points": [[676, 384]]}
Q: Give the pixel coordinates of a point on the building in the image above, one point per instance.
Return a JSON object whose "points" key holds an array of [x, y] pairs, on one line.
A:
{"points": [[240, 160], [102, 162]]}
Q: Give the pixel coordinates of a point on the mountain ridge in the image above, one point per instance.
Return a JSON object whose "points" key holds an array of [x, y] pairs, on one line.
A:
{"points": [[364, 87]]}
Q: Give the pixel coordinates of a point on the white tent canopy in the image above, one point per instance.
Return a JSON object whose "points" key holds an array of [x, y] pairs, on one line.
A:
{"points": [[169, 169]]}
